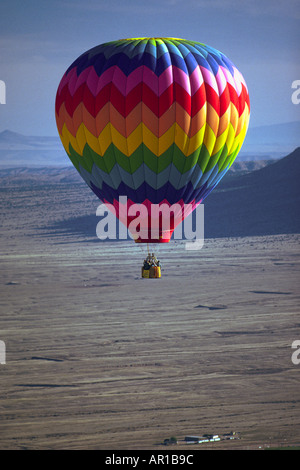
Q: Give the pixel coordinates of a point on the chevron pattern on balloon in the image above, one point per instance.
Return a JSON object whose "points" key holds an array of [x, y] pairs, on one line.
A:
{"points": [[153, 118]]}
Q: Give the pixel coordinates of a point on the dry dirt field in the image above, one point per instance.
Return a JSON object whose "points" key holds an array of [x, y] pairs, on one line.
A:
{"points": [[98, 358]]}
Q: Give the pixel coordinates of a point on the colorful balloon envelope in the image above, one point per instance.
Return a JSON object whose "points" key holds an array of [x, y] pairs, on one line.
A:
{"points": [[151, 122]]}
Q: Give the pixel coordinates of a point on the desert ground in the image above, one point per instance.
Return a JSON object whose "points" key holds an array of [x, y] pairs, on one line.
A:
{"points": [[99, 358]]}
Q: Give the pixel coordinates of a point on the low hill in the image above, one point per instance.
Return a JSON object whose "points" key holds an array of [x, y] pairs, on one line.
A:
{"points": [[265, 201]]}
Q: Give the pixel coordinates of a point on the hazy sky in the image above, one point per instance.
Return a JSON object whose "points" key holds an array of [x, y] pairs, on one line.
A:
{"points": [[39, 39]]}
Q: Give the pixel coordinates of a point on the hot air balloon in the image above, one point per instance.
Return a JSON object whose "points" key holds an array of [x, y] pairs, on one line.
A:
{"points": [[152, 122]]}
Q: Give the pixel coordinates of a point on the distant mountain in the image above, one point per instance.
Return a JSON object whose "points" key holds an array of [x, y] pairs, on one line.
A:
{"points": [[265, 201], [9, 139], [31, 151]]}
